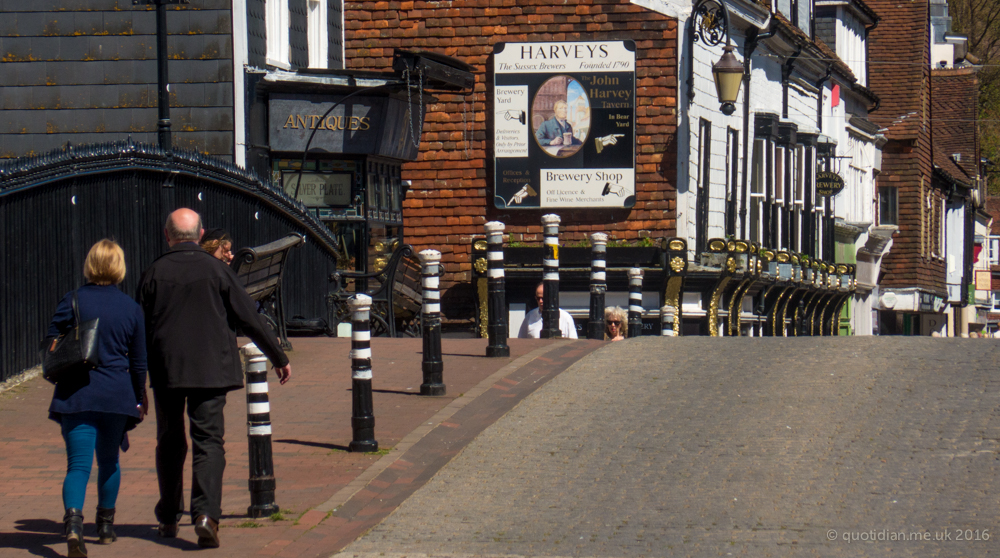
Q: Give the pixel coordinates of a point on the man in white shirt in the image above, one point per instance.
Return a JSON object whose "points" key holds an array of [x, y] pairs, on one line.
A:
{"points": [[531, 327]]}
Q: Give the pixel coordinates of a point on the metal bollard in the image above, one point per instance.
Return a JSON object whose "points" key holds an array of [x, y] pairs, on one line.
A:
{"points": [[362, 414], [497, 301], [550, 278], [261, 483], [598, 284], [635, 302], [430, 313], [666, 321]]}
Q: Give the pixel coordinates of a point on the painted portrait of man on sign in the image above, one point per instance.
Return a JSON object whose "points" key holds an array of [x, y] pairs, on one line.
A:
{"points": [[560, 116]]}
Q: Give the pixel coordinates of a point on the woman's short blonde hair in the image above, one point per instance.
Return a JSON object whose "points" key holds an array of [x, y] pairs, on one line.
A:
{"points": [[105, 263], [618, 313]]}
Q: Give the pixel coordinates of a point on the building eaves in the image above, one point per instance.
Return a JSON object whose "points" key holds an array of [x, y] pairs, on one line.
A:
{"points": [[821, 50]]}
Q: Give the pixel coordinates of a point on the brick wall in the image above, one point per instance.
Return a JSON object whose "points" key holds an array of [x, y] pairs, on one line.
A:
{"points": [[450, 197]]}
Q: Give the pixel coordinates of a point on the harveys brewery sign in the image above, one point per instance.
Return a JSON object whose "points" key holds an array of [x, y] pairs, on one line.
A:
{"points": [[828, 183]]}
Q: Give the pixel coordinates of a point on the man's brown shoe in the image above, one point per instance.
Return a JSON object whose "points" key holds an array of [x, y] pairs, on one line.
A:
{"points": [[167, 530], [207, 530]]}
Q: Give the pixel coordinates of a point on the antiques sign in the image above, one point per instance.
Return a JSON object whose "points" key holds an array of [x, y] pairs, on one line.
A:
{"points": [[362, 126], [828, 183], [564, 124]]}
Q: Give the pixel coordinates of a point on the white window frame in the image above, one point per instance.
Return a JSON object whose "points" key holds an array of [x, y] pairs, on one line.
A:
{"points": [[757, 186], [318, 33], [994, 250], [277, 21]]}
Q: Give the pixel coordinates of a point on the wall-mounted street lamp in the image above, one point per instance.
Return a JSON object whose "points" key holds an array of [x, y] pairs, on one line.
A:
{"points": [[709, 23]]}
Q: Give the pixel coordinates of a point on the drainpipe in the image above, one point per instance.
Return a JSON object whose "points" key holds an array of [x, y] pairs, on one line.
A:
{"points": [[786, 72], [869, 29], [819, 97], [749, 45]]}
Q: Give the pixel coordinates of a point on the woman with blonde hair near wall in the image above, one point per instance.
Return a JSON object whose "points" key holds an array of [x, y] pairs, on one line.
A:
{"points": [[94, 411], [615, 323]]}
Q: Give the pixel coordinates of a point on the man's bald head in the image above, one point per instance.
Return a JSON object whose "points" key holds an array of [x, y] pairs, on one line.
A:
{"points": [[183, 225]]}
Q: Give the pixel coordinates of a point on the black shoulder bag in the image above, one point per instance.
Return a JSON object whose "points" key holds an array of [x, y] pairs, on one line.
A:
{"points": [[71, 355]]}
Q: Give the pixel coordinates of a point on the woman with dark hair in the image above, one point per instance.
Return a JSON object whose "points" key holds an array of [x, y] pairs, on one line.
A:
{"points": [[94, 412], [218, 243]]}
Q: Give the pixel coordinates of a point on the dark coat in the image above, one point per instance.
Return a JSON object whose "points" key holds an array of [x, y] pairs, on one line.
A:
{"points": [[116, 385], [194, 304]]}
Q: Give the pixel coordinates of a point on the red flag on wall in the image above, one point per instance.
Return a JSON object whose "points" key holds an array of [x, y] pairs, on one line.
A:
{"points": [[835, 95]]}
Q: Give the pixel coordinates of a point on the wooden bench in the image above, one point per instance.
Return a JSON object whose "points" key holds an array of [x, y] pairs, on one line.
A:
{"points": [[259, 270], [395, 291]]}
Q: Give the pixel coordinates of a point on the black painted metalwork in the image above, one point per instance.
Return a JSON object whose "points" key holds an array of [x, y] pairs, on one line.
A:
{"points": [[497, 298], [598, 284], [362, 408], [709, 24], [261, 483], [260, 270], [550, 278], [384, 292], [635, 302], [432, 366], [53, 207]]}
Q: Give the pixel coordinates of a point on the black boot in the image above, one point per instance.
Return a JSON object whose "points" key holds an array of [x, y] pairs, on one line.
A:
{"points": [[106, 526], [74, 533]]}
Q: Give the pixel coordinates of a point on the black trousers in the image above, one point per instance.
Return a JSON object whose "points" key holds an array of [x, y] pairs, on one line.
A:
{"points": [[208, 457]]}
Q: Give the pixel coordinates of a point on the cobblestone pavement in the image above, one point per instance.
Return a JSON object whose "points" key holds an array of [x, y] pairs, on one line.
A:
{"points": [[728, 447]]}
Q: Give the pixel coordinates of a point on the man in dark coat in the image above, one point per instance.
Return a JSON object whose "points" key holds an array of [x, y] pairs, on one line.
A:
{"points": [[193, 305]]}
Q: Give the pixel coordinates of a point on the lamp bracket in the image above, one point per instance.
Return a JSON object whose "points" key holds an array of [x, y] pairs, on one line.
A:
{"points": [[711, 22]]}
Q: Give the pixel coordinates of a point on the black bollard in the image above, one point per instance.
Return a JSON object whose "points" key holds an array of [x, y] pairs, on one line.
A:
{"points": [[497, 301], [635, 302], [598, 284], [430, 313], [550, 279], [666, 321], [363, 413], [261, 481]]}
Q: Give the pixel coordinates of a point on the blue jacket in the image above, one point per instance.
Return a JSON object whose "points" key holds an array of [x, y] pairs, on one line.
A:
{"points": [[121, 377]]}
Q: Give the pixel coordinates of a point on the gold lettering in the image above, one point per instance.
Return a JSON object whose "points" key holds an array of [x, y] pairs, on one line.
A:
{"points": [[301, 121], [328, 125], [290, 122], [364, 123], [355, 123], [314, 118]]}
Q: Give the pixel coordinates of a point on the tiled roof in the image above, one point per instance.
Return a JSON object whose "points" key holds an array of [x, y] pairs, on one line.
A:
{"points": [[898, 53], [825, 52], [955, 99], [993, 208]]}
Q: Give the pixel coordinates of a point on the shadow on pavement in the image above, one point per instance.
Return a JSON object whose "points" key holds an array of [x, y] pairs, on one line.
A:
{"points": [[313, 444], [36, 535]]}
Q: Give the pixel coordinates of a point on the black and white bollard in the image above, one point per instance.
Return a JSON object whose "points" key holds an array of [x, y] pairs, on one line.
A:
{"points": [[598, 284], [497, 297], [363, 413], [550, 278], [430, 313], [666, 321], [261, 481], [635, 302]]}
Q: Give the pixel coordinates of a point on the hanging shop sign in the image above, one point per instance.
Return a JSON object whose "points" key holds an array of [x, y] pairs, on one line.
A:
{"points": [[828, 183], [361, 126], [564, 124]]}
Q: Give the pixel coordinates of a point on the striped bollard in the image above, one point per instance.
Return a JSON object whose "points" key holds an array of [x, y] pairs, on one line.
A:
{"points": [[430, 313], [635, 302], [550, 278], [598, 284], [497, 298], [666, 321], [363, 413], [261, 481]]}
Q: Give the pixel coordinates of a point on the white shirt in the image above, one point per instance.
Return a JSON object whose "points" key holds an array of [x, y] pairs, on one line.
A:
{"points": [[531, 327]]}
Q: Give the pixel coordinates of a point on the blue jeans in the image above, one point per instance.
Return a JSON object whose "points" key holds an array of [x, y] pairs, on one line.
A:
{"points": [[86, 433]]}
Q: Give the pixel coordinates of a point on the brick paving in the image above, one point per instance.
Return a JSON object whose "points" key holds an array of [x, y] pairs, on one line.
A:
{"points": [[328, 496], [728, 447]]}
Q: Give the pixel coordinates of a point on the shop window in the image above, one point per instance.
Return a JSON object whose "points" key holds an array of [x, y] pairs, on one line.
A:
{"points": [[757, 192], [888, 205]]}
